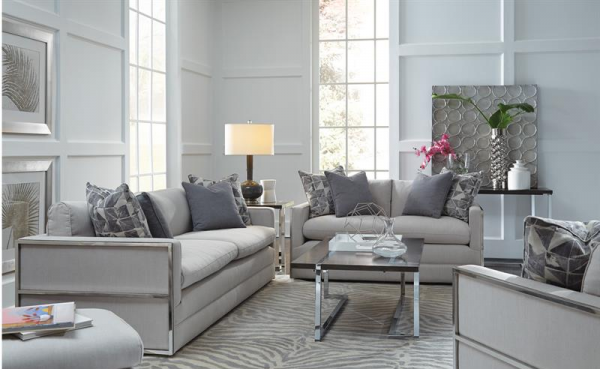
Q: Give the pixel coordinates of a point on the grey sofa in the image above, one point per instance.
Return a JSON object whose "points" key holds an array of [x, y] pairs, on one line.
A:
{"points": [[168, 290], [448, 241], [505, 321]]}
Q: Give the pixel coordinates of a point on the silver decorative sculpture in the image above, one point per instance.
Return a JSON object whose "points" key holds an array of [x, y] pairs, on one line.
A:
{"points": [[499, 153], [358, 226]]}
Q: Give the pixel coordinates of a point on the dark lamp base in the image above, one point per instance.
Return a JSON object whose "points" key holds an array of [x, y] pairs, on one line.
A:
{"points": [[251, 191]]}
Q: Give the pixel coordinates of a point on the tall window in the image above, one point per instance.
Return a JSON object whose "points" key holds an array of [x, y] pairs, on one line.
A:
{"points": [[353, 86], [147, 100]]}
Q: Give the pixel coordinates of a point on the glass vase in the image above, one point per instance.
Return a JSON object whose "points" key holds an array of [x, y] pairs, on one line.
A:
{"points": [[388, 244], [459, 164]]}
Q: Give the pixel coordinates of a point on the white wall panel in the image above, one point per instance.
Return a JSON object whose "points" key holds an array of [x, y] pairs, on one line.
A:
{"points": [[197, 35], [200, 165], [102, 171], [102, 15], [266, 100], [47, 5], [196, 108], [441, 21], [262, 33], [87, 142], [543, 20], [419, 73], [93, 103]]}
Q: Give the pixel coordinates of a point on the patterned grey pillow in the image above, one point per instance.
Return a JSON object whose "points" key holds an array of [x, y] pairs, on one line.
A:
{"points": [[116, 213], [462, 194], [237, 192], [318, 192], [557, 252]]}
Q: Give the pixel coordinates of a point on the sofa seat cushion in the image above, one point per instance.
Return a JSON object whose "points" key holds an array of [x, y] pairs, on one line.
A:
{"points": [[248, 240], [445, 230], [202, 258]]}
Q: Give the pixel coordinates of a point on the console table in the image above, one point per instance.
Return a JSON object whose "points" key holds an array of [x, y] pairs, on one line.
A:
{"points": [[532, 192]]}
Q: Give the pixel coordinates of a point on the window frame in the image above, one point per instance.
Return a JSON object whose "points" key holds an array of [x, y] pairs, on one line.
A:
{"points": [[316, 82], [152, 122]]}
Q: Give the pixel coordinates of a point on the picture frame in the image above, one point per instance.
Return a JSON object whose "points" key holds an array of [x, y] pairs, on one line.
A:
{"points": [[27, 79], [26, 198]]}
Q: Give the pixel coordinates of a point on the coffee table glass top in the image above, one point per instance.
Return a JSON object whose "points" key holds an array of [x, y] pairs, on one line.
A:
{"points": [[357, 260]]}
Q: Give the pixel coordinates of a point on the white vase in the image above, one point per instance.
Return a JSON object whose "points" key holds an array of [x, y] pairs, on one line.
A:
{"points": [[519, 177], [269, 190]]}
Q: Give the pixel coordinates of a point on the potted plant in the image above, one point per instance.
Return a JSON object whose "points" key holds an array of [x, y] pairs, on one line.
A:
{"points": [[498, 122]]}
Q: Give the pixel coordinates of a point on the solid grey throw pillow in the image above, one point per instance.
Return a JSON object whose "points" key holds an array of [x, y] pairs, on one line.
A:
{"points": [[159, 227], [236, 189], [348, 191], [212, 207], [428, 195]]}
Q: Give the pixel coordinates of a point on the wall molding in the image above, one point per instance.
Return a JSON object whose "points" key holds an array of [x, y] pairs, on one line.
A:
{"points": [[197, 68], [274, 72], [196, 148]]}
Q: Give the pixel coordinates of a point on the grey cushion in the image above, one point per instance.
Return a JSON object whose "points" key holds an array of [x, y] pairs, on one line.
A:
{"points": [[557, 252], [248, 240], [70, 219], [428, 195], [212, 207], [174, 207], [591, 278], [109, 343], [348, 191], [318, 192], [159, 228], [381, 190], [462, 194], [443, 230], [116, 213], [236, 189], [202, 258]]}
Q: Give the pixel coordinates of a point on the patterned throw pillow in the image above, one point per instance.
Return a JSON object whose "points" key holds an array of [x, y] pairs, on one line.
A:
{"points": [[318, 192], [237, 192], [116, 213], [462, 194], [557, 252]]}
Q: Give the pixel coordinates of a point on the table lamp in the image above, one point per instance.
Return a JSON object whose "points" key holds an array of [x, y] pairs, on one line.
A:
{"points": [[249, 139]]}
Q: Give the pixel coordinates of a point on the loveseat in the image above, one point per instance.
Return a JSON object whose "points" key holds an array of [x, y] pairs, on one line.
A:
{"points": [[169, 290], [449, 242]]}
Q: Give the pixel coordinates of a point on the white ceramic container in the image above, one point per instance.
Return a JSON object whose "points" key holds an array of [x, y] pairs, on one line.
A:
{"points": [[519, 177], [269, 190]]}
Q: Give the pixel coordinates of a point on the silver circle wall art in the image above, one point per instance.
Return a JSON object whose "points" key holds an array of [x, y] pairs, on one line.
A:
{"points": [[469, 132]]}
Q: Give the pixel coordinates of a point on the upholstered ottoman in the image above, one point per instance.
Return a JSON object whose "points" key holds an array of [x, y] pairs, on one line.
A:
{"points": [[109, 344]]}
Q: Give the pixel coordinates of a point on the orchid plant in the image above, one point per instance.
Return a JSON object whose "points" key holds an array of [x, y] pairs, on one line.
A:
{"points": [[441, 147]]}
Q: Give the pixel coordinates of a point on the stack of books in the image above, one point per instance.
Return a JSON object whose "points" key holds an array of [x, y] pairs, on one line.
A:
{"points": [[29, 322]]}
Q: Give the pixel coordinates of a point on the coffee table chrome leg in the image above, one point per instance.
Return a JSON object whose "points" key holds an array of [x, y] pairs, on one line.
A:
{"points": [[416, 304], [398, 312], [281, 241], [321, 329], [318, 303]]}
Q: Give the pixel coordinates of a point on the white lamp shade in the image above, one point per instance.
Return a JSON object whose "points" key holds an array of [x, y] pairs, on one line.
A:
{"points": [[249, 139]]}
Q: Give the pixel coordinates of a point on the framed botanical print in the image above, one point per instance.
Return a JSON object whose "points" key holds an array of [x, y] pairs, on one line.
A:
{"points": [[26, 197], [27, 75]]}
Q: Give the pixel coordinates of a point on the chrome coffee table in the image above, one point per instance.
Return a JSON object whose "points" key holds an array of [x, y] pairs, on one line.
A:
{"points": [[322, 260]]}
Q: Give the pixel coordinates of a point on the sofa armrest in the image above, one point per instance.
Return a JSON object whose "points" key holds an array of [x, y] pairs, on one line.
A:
{"points": [[262, 216], [498, 316], [99, 266], [476, 227], [300, 214]]}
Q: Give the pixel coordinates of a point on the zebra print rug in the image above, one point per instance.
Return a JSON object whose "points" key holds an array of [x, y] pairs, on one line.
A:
{"points": [[275, 329]]}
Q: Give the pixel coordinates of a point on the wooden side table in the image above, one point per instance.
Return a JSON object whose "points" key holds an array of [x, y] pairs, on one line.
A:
{"points": [[281, 206]]}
